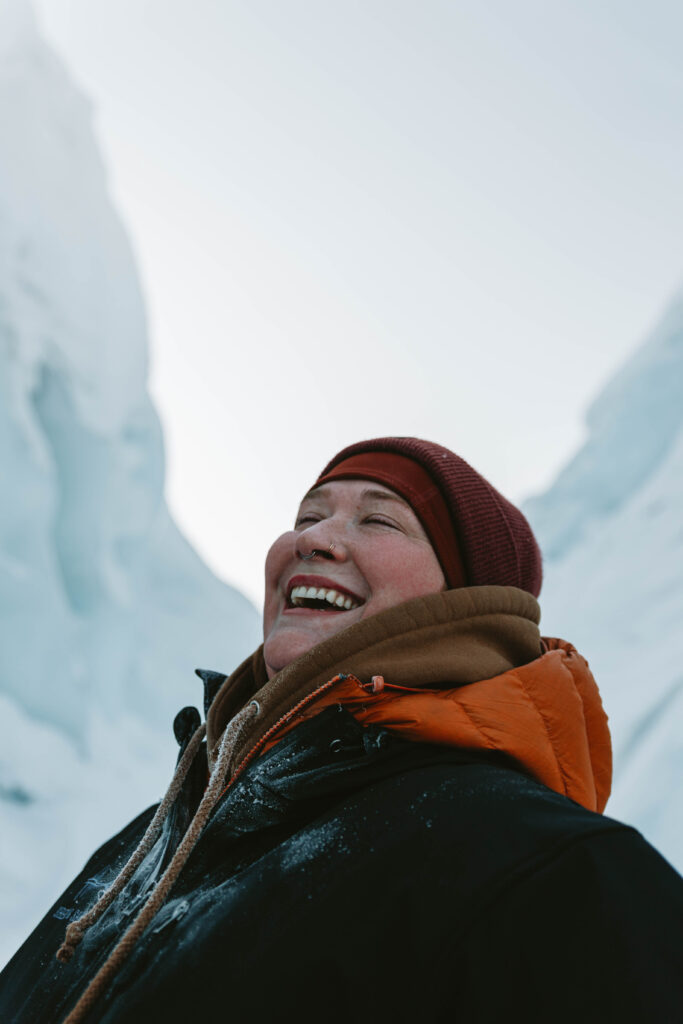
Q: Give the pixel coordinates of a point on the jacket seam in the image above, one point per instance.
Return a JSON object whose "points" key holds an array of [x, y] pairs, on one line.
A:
{"points": [[558, 760]]}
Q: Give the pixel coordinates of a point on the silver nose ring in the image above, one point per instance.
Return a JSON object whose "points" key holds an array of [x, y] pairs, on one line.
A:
{"points": [[316, 551]]}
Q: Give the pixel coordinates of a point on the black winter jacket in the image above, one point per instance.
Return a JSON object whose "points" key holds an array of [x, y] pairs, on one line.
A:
{"points": [[352, 875]]}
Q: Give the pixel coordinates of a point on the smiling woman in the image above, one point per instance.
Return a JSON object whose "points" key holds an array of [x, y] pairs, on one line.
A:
{"points": [[365, 550], [404, 800]]}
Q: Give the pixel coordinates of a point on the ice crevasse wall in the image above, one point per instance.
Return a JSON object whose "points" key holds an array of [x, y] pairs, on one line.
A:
{"points": [[105, 609], [611, 529]]}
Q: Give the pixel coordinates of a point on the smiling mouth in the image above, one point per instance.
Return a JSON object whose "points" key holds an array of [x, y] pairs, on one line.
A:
{"points": [[324, 599]]}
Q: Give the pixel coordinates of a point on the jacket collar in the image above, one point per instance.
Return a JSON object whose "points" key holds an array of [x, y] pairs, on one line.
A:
{"points": [[446, 639], [545, 717]]}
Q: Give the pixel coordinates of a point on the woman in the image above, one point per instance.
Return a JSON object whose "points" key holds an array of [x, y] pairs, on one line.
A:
{"points": [[403, 813]]}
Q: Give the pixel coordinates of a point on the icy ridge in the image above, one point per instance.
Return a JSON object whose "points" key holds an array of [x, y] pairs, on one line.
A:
{"points": [[105, 609], [614, 579], [631, 427], [84, 533]]}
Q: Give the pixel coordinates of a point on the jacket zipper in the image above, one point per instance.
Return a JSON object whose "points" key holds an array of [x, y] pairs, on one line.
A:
{"points": [[281, 721], [376, 685]]}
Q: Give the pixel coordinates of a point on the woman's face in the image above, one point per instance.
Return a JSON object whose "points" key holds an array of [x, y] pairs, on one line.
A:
{"points": [[369, 552]]}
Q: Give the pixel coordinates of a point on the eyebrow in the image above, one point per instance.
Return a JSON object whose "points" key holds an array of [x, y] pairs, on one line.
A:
{"points": [[368, 492]]}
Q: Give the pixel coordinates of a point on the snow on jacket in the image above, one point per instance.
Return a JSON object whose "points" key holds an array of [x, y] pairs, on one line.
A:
{"points": [[425, 844]]}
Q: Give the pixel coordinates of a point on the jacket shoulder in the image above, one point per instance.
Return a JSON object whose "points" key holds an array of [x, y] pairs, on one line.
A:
{"points": [[590, 933]]}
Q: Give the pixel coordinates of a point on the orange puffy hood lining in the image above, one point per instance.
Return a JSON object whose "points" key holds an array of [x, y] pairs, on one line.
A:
{"points": [[547, 716], [464, 667]]}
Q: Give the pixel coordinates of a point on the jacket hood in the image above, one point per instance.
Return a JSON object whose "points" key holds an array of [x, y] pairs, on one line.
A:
{"points": [[465, 668], [546, 716]]}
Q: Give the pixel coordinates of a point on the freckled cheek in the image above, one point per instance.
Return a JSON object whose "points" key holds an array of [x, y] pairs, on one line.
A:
{"points": [[279, 554], [397, 575], [277, 560], [387, 576]]}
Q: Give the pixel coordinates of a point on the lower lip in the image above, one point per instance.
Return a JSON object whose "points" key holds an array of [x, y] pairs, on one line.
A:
{"points": [[317, 611]]}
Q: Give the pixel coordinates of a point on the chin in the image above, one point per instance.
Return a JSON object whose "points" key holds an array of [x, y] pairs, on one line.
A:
{"points": [[285, 647], [282, 651]]}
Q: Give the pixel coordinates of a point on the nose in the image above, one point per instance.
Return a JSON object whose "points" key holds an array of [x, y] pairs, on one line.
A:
{"points": [[316, 542], [316, 552]]}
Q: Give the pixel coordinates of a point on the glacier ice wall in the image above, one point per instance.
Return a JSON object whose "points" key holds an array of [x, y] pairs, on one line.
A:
{"points": [[632, 426], [94, 571], [611, 528], [105, 609]]}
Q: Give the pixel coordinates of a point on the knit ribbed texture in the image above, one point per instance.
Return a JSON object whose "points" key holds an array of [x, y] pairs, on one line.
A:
{"points": [[496, 541]]}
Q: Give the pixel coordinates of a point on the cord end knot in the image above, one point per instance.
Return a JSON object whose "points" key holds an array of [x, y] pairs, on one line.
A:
{"points": [[74, 934]]}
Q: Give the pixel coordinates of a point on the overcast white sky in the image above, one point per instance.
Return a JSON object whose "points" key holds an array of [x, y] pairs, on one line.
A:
{"points": [[356, 217]]}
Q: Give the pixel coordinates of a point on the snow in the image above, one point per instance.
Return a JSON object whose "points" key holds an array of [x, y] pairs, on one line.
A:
{"points": [[611, 527], [105, 610]]}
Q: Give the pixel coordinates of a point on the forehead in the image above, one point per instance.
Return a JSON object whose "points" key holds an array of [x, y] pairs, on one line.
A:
{"points": [[355, 489]]}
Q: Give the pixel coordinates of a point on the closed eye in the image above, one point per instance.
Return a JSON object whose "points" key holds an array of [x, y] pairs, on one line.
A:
{"points": [[307, 517], [382, 521]]}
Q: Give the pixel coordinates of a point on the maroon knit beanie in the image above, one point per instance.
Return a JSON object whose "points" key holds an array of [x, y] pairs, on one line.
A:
{"points": [[492, 537]]}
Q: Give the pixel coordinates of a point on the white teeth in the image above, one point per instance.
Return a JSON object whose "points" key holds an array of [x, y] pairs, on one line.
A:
{"points": [[337, 600]]}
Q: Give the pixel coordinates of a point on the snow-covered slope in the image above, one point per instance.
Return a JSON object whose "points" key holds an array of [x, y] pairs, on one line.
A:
{"points": [[611, 528], [105, 610]]}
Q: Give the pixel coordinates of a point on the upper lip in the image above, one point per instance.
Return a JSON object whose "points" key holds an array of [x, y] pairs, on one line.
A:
{"points": [[321, 582]]}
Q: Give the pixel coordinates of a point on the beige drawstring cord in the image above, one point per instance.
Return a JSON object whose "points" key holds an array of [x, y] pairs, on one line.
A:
{"points": [[77, 929], [122, 950]]}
